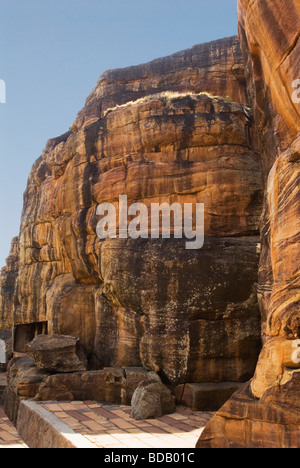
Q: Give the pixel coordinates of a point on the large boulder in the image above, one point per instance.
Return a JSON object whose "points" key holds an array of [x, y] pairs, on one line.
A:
{"points": [[152, 400], [103, 385], [57, 353]]}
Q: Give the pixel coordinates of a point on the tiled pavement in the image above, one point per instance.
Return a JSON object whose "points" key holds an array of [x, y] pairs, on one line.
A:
{"points": [[108, 426], [9, 437]]}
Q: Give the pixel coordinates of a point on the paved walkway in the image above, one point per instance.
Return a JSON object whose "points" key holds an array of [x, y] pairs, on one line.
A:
{"points": [[110, 426], [9, 437]]}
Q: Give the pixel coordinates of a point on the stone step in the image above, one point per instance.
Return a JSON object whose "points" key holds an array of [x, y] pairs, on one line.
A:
{"points": [[205, 396]]}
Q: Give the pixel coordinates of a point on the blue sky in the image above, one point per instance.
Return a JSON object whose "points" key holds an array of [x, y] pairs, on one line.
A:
{"points": [[52, 53]]}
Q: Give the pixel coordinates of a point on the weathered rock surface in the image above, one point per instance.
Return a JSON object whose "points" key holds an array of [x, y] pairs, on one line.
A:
{"points": [[3, 386], [57, 353], [274, 53], [216, 67], [175, 130], [244, 422], [152, 400], [8, 278], [269, 33], [104, 385], [178, 338], [133, 377], [278, 357], [269, 37], [113, 385], [205, 396], [24, 380]]}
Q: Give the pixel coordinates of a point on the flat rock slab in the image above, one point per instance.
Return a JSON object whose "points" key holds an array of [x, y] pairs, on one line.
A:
{"points": [[206, 396], [57, 353]]}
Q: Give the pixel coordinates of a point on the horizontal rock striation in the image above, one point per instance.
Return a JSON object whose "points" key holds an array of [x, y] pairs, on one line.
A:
{"points": [[216, 67], [175, 130], [243, 422], [269, 33], [277, 52], [8, 277]]}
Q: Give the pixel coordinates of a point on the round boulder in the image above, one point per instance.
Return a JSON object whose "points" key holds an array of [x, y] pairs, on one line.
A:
{"points": [[152, 400]]}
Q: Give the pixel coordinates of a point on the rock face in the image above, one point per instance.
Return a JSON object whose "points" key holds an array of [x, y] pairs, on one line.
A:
{"points": [[178, 129], [244, 422], [113, 385], [8, 277], [216, 67], [276, 65], [152, 400], [269, 37], [269, 33], [57, 353]]}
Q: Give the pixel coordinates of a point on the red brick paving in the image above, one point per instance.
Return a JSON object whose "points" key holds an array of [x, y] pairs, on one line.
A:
{"points": [[110, 426]]}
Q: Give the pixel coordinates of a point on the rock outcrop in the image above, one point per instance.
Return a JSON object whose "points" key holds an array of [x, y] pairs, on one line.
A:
{"points": [[244, 422], [216, 68], [205, 396], [57, 353], [111, 384], [217, 124], [269, 34], [178, 129]]}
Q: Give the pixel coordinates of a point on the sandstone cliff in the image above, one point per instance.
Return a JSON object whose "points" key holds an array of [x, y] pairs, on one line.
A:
{"points": [[177, 129], [269, 33]]}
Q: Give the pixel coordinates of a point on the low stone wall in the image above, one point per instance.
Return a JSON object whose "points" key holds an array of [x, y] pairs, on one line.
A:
{"points": [[112, 385]]}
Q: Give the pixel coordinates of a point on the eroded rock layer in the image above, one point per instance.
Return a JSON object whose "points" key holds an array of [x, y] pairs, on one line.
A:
{"points": [[175, 130], [269, 33], [216, 67]]}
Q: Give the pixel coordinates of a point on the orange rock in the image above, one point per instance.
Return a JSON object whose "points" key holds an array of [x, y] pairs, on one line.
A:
{"points": [[175, 130], [269, 34]]}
